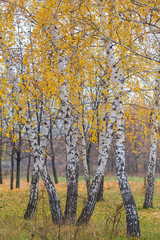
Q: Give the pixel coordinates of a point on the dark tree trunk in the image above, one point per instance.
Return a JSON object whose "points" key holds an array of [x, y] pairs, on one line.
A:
{"points": [[18, 160], [31, 208], [29, 163], [1, 147], [28, 167], [52, 154], [136, 165], [0, 169], [100, 192], [136, 158], [1, 143], [89, 146], [12, 168], [112, 166], [54, 169]]}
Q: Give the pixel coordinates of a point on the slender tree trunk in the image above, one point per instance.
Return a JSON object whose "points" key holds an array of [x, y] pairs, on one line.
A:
{"points": [[118, 79], [29, 162], [52, 154], [54, 202], [18, 158], [32, 204], [112, 166], [148, 202], [104, 147], [129, 203], [1, 168], [89, 146], [18, 161], [56, 212], [28, 167], [54, 168], [136, 165], [39, 148], [1, 147], [85, 164], [12, 168]]}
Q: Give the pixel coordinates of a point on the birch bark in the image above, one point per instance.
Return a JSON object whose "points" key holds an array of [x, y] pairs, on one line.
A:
{"points": [[117, 80], [52, 153], [85, 164], [72, 155], [129, 203], [71, 134], [40, 168], [104, 147], [148, 202]]}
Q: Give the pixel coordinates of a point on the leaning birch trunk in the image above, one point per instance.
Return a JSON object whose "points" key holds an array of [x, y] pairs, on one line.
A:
{"points": [[104, 147], [54, 202], [128, 200], [129, 203], [56, 212], [33, 199], [148, 202], [40, 168], [117, 80]]}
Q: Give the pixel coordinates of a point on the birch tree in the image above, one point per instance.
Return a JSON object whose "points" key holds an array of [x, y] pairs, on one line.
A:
{"points": [[62, 62], [148, 202]]}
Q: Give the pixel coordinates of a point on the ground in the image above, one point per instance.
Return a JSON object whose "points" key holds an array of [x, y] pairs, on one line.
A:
{"points": [[107, 222]]}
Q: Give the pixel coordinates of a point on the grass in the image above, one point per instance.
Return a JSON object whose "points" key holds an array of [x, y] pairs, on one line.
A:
{"points": [[14, 227]]}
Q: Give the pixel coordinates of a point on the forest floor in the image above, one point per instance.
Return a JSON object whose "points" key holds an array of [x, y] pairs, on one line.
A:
{"points": [[106, 223]]}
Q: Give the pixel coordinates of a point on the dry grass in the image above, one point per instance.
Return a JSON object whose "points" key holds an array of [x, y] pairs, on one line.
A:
{"points": [[101, 227]]}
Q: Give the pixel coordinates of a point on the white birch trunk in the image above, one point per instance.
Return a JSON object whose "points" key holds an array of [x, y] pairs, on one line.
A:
{"points": [[117, 80], [129, 203], [128, 200], [84, 161], [105, 144], [40, 168], [33, 198], [72, 155], [148, 202]]}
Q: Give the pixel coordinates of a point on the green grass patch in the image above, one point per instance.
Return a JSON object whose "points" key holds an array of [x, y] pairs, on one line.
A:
{"points": [[14, 227]]}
